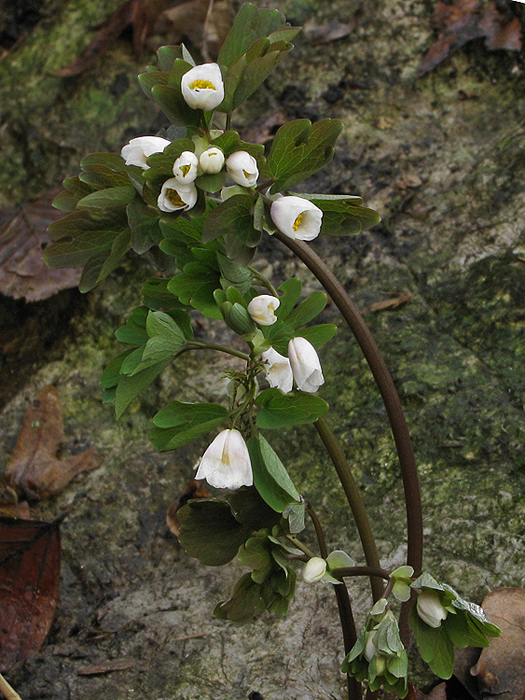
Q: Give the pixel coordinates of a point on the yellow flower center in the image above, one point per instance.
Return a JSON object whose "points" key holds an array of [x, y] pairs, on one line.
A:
{"points": [[246, 175], [184, 169], [202, 85], [175, 198], [298, 222]]}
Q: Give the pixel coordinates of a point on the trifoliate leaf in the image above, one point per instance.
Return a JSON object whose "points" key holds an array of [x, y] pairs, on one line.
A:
{"points": [[279, 410]]}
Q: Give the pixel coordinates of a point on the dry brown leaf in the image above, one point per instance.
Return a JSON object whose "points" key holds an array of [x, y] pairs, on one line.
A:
{"points": [[34, 470], [265, 128], [29, 583], [193, 489], [23, 236], [203, 22], [465, 20], [388, 303], [329, 31], [107, 667]]}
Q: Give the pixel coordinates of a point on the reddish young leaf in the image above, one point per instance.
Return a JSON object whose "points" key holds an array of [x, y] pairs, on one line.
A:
{"points": [[29, 583]]}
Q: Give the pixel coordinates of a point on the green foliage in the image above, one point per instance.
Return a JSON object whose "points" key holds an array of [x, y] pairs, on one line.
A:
{"points": [[212, 530], [279, 410], [179, 423], [270, 476], [343, 215], [299, 150]]}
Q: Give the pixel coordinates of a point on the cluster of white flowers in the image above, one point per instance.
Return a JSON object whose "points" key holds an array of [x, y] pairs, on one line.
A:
{"points": [[202, 87]]}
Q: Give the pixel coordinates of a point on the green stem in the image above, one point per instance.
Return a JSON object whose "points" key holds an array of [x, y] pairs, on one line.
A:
{"points": [[348, 571], [354, 499], [198, 345], [297, 543], [386, 387], [264, 281]]}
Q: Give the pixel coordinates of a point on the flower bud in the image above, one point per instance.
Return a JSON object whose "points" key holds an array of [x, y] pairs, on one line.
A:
{"points": [[226, 463], [278, 370], [305, 364], [202, 87], [370, 647], [137, 150], [430, 608], [185, 168], [262, 309], [297, 217], [212, 160], [314, 570], [242, 168], [237, 318], [176, 197]]}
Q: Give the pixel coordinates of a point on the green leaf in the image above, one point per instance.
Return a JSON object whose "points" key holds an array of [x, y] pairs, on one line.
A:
{"points": [[230, 141], [250, 25], [270, 476], [113, 197], [279, 410], [245, 601], [179, 423], [211, 183], [209, 531], [144, 224], [300, 149], [174, 106], [249, 509], [151, 79], [111, 375], [457, 628], [156, 296], [342, 216], [307, 310], [291, 291], [234, 275], [195, 285], [318, 335], [231, 217], [134, 331], [167, 55], [130, 387]]}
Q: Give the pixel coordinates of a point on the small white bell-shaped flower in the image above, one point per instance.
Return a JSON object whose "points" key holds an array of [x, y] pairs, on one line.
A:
{"points": [[226, 463], [137, 150], [212, 160], [278, 370], [262, 309], [314, 570], [176, 197], [242, 168], [306, 366], [430, 608], [297, 217], [202, 87], [185, 168]]}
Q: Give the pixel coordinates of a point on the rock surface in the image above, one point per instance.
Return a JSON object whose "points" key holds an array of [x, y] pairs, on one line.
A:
{"points": [[444, 174]]}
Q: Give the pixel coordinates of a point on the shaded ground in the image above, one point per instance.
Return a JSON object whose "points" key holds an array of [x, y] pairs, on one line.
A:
{"points": [[446, 175]]}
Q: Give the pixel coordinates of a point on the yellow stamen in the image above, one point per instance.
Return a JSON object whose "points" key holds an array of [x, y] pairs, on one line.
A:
{"points": [[298, 222], [246, 175], [185, 169], [202, 85], [175, 198]]}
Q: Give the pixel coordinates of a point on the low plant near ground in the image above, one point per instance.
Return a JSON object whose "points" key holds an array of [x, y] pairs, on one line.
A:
{"points": [[196, 201]]}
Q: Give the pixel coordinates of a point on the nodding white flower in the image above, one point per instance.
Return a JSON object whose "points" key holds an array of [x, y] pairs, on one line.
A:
{"points": [[137, 150], [297, 217], [430, 608], [278, 370], [226, 463], [305, 364], [242, 168], [185, 168], [212, 160], [314, 570], [262, 309], [202, 87], [176, 197]]}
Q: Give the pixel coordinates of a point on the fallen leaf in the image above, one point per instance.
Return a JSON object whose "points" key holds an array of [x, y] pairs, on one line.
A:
{"points": [[29, 583], [329, 31], [107, 667], [204, 23], [193, 489], [23, 236], [408, 180], [465, 20], [388, 303], [499, 670], [34, 470]]}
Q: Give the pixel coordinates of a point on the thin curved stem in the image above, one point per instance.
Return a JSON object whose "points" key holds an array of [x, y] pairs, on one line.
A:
{"points": [[7, 690], [348, 571], [386, 387], [198, 345], [354, 499], [265, 282], [318, 530]]}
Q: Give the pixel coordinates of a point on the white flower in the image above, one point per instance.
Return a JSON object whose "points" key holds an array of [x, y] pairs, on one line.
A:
{"points": [[242, 168], [212, 160], [262, 309], [305, 364], [278, 370], [226, 463], [297, 217], [202, 87], [314, 570], [370, 647], [137, 150], [176, 197], [430, 608], [185, 168]]}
